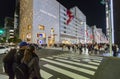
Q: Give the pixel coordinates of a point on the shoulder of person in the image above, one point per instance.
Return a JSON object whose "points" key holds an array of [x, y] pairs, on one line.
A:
{"points": [[35, 58], [10, 55]]}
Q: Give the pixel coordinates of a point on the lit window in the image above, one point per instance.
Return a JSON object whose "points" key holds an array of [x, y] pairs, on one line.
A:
{"points": [[29, 27], [64, 31], [41, 27], [64, 27]]}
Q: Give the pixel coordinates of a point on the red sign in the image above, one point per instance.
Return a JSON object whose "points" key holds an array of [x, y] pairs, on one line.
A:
{"points": [[70, 16]]}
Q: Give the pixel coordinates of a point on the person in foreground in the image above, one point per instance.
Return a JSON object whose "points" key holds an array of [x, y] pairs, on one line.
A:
{"points": [[32, 60]]}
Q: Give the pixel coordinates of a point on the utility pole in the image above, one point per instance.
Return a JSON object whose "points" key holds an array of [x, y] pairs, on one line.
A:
{"points": [[109, 22]]}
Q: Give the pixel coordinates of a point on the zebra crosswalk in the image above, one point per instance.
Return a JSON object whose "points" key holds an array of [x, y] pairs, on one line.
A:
{"points": [[69, 66]]}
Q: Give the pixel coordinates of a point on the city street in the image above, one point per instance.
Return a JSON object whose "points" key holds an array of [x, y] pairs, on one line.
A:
{"points": [[58, 64], [74, 39]]}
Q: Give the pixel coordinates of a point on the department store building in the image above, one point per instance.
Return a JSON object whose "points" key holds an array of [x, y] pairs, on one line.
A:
{"points": [[44, 22]]}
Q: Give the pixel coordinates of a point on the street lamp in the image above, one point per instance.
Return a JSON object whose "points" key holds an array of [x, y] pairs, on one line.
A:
{"points": [[85, 36], [85, 32]]}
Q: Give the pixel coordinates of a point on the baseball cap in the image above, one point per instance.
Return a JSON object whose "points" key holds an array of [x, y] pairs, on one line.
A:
{"points": [[23, 43]]}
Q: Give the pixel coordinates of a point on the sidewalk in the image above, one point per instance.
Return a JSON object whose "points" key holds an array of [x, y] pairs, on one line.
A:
{"points": [[108, 54]]}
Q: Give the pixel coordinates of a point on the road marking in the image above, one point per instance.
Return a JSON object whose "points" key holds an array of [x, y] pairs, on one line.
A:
{"points": [[94, 63], [79, 64], [97, 61], [50, 57], [65, 72], [60, 57], [71, 67], [45, 75], [75, 60]]}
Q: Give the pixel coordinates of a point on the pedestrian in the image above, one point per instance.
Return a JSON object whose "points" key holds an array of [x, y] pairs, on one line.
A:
{"points": [[115, 50], [19, 55], [32, 61], [8, 61]]}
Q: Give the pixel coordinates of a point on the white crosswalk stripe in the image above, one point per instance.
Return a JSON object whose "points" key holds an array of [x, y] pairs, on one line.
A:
{"points": [[45, 74], [97, 61], [80, 64], [69, 66], [65, 72], [59, 63], [94, 63]]}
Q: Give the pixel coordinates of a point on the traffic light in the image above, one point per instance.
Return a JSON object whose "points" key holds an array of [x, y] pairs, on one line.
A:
{"points": [[1, 31]]}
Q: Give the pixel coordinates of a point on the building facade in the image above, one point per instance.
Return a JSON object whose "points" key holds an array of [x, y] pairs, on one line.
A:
{"points": [[43, 23], [99, 36], [49, 22], [74, 32]]}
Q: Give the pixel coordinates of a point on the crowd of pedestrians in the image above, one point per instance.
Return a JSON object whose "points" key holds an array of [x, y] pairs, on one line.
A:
{"points": [[16, 59], [91, 48]]}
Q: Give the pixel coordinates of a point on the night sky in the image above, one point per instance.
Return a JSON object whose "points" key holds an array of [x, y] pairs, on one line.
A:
{"points": [[7, 8], [93, 9]]}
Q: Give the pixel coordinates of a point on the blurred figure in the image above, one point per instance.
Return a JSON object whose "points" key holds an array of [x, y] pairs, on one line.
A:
{"points": [[114, 48]]}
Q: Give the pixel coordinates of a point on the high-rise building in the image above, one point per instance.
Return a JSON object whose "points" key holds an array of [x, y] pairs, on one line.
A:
{"points": [[49, 22]]}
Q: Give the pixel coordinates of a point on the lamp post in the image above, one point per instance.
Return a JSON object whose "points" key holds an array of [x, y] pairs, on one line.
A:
{"points": [[85, 37], [85, 28]]}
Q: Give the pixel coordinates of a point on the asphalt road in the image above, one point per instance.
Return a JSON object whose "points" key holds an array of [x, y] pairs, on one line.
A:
{"points": [[58, 64]]}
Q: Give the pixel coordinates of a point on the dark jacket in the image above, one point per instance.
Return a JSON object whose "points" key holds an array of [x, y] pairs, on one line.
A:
{"points": [[17, 61], [18, 56], [8, 62]]}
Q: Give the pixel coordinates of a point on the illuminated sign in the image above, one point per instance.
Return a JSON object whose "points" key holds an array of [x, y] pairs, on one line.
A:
{"points": [[41, 35], [49, 14], [40, 41]]}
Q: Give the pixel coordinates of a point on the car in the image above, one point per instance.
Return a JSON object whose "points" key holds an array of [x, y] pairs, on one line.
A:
{"points": [[4, 49]]}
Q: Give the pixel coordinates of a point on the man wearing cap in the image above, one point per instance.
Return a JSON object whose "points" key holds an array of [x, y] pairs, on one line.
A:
{"points": [[20, 53], [13, 58]]}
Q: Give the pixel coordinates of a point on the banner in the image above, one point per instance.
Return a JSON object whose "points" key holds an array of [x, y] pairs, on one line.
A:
{"points": [[70, 16]]}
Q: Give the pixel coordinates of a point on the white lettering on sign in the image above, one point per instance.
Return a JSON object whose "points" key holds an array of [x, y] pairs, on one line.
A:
{"points": [[47, 13]]}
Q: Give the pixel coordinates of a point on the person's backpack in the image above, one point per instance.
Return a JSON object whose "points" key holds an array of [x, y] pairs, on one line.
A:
{"points": [[22, 71]]}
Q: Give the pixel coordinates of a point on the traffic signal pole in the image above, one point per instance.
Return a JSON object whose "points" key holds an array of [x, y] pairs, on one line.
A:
{"points": [[109, 23]]}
